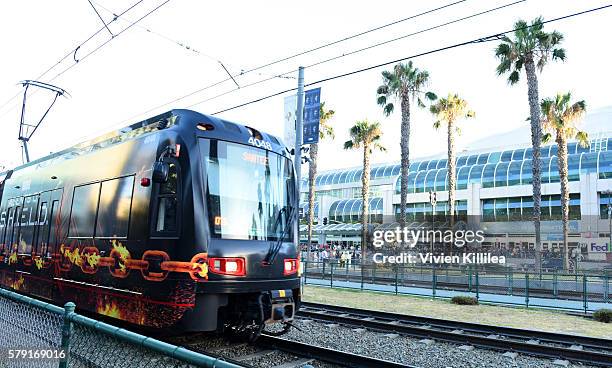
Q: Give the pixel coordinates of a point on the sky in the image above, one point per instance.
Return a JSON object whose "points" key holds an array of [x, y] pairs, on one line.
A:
{"points": [[143, 68]]}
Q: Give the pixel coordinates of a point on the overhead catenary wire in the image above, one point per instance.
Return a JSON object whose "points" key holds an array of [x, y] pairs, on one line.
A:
{"points": [[366, 48], [286, 58], [69, 53], [429, 52], [110, 39]]}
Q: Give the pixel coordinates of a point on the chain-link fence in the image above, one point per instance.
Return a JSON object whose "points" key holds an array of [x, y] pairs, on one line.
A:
{"points": [[38, 334], [584, 292], [24, 327]]}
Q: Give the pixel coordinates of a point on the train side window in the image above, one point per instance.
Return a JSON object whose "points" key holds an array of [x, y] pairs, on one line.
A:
{"points": [[167, 207], [7, 222], [15, 229], [43, 228], [27, 224], [115, 208], [83, 211], [51, 230]]}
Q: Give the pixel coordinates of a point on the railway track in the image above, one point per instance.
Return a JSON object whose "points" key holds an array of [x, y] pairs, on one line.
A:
{"points": [[581, 349], [276, 352]]}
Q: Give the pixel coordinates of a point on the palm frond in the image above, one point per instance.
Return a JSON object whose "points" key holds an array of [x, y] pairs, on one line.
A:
{"points": [[381, 100], [583, 139], [546, 138], [558, 54], [383, 89], [388, 109], [348, 145], [513, 78], [503, 50], [431, 96]]}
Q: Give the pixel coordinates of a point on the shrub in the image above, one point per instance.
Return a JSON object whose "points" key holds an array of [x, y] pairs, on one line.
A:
{"points": [[464, 300], [603, 315]]}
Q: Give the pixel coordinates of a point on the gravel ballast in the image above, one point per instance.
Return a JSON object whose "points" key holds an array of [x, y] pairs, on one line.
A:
{"points": [[408, 350]]}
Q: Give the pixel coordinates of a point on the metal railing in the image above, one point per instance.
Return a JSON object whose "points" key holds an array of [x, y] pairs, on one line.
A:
{"points": [[38, 334], [568, 291]]}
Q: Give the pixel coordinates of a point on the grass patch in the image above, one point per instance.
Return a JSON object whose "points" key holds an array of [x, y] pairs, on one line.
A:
{"points": [[517, 317], [603, 315], [464, 300]]}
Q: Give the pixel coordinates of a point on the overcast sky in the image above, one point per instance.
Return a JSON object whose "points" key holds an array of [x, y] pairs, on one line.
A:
{"points": [[140, 70]]}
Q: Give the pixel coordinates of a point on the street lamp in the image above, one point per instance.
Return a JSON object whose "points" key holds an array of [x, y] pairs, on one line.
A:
{"points": [[433, 200]]}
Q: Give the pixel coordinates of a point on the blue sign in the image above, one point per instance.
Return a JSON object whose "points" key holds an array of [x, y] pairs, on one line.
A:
{"points": [[312, 108]]}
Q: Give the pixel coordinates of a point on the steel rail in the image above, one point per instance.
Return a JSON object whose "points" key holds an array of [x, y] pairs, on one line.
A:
{"points": [[328, 355], [489, 337]]}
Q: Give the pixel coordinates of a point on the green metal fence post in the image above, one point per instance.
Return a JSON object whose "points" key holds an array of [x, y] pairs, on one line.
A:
{"points": [[469, 278], [510, 281], [477, 286], [347, 270], [585, 293], [66, 334], [362, 271], [331, 276], [527, 290], [606, 287], [555, 283], [433, 281], [396, 278]]}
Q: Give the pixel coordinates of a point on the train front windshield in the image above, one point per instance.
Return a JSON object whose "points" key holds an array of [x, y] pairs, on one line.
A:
{"points": [[249, 193]]}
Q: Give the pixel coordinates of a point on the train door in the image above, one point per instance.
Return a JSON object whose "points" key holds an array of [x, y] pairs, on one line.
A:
{"points": [[13, 232], [49, 220]]}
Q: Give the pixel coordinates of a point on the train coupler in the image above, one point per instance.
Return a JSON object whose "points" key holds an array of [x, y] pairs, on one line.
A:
{"points": [[279, 306]]}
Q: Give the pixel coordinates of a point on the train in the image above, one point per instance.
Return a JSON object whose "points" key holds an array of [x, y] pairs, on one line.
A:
{"points": [[181, 222]]}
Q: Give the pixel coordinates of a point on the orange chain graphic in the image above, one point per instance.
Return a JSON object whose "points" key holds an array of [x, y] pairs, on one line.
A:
{"points": [[154, 265]]}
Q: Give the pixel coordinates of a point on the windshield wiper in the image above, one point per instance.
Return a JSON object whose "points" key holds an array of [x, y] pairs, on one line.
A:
{"points": [[275, 248]]}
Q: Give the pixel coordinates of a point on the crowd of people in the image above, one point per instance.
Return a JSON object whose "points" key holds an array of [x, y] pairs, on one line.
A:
{"points": [[338, 253]]}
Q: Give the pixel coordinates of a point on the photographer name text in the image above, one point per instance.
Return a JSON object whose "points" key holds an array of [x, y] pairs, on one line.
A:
{"points": [[428, 258]]}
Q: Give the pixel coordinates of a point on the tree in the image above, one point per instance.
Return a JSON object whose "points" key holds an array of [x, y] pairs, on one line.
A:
{"points": [[448, 111], [561, 118], [325, 130], [530, 48], [404, 83], [366, 135]]}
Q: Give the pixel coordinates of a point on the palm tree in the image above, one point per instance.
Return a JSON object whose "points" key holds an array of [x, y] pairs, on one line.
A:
{"points": [[448, 111], [404, 83], [561, 117], [530, 47], [325, 130], [366, 135]]}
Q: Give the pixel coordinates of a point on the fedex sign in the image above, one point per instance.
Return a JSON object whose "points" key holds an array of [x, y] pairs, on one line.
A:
{"points": [[600, 248]]}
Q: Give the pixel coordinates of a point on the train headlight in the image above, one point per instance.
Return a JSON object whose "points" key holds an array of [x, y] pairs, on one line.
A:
{"points": [[227, 266], [290, 266]]}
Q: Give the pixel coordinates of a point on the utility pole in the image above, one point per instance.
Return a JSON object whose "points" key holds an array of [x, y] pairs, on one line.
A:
{"points": [[433, 199], [298, 142]]}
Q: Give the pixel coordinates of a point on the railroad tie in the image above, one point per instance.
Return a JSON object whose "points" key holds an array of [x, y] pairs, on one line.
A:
{"points": [[510, 354], [258, 354], [295, 364]]}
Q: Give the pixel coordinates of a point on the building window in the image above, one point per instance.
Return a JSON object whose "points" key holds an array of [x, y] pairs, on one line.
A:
{"points": [[605, 199]]}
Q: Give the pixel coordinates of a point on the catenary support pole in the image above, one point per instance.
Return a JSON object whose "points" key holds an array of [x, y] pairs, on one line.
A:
{"points": [[298, 148]]}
